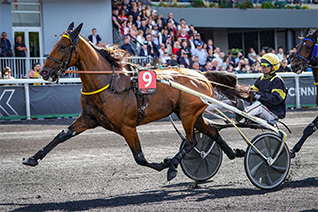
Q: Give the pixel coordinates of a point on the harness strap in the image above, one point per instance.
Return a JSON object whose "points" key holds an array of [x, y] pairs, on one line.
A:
{"points": [[95, 92], [65, 35], [112, 87]]}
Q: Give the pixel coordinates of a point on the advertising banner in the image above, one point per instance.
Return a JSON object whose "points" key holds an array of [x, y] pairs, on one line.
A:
{"points": [[12, 101]]}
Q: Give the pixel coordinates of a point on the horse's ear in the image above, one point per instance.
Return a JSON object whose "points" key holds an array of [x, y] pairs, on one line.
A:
{"points": [[74, 34], [315, 34], [70, 27], [306, 31]]}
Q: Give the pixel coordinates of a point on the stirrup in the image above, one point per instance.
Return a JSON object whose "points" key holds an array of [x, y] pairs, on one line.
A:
{"points": [[272, 122]]}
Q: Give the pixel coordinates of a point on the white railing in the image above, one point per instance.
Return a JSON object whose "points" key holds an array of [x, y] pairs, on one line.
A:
{"points": [[20, 66]]}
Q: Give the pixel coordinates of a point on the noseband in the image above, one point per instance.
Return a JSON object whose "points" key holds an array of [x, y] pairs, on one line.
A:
{"points": [[298, 58], [63, 66]]}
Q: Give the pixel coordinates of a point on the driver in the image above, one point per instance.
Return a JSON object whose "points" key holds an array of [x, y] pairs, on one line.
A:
{"points": [[268, 91]]}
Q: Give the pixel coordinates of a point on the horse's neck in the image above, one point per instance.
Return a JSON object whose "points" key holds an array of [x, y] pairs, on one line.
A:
{"points": [[90, 60]]}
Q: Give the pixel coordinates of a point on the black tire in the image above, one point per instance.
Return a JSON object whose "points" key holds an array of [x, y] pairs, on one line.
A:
{"points": [[260, 173], [198, 168]]}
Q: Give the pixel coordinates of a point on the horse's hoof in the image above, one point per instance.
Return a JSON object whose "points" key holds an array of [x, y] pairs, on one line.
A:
{"points": [[292, 153], [30, 162], [240, 153], [167, 162], [172, 173]]}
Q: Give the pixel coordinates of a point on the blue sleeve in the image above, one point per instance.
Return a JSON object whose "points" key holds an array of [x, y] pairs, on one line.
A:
{"points": [[277, 94]]}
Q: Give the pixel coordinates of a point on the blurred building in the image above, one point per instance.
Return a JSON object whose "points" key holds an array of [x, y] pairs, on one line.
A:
{"points": [[38, 21]]}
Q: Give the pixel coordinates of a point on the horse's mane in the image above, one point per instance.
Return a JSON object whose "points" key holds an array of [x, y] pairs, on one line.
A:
{"points": [[112, 55]]}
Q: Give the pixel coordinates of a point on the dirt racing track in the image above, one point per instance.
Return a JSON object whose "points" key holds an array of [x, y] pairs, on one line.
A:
{"points": [[95, 171]]}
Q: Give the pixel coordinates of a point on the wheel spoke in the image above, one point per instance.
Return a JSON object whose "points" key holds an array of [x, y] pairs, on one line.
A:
{"points": [[256, 167], [194, 154], [280, 169], [267, 148], [196, 168], [269, 178]]}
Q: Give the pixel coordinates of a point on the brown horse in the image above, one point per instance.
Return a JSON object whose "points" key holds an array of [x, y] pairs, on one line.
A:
{"points": [[113, 101], [306, 57]]}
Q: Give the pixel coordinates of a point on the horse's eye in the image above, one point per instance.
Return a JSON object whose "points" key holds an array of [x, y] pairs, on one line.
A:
{"points": [[63, 47]]}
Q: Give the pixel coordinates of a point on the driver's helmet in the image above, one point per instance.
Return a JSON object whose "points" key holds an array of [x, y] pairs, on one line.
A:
{"points": [[270, 59]]}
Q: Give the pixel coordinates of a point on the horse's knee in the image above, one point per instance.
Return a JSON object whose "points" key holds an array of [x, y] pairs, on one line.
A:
{"points": [[206, 128]]}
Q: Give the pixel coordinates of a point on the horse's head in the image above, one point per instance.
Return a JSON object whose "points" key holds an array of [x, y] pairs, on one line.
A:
{"points": [[306, 54], [63, 55]]}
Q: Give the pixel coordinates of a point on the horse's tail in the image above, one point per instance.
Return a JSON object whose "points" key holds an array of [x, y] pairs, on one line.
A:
{"points": [[227, 84]]}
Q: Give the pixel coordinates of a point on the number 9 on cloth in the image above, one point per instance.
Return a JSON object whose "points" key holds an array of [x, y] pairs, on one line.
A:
{"points": [[147, 82]]}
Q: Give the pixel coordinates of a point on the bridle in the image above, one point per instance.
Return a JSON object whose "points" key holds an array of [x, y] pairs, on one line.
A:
{"points": [[63, 66], [314, 53]]}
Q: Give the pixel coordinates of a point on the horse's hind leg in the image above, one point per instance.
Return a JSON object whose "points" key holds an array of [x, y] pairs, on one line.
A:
{"points": [[78, 126], [131, 137], [212, 132], [308, 131]]}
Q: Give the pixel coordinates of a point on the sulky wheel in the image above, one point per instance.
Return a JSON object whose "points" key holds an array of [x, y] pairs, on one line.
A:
{"points": [[204, 160], [260, 173]]}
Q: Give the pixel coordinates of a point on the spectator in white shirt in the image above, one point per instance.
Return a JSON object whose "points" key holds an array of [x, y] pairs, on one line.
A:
{"points": [[280, 53]]}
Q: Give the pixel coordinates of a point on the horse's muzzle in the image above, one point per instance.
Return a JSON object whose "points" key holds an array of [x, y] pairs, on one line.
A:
{"points": [[45, 74], [297, 66]]}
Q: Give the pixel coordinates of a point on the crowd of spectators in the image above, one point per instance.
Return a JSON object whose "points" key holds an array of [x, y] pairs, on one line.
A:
{"points": [[168, 41], [173, 43]]}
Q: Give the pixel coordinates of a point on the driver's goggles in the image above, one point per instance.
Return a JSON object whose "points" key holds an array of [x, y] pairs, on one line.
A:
{"points": [[265, 65]]}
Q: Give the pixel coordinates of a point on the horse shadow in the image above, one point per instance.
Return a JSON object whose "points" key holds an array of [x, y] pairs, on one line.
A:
{"points": [[180, 191]]}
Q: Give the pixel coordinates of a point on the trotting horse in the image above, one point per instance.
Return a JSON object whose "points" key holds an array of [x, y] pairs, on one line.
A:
{"points": [[109, 100], [306, 57]]}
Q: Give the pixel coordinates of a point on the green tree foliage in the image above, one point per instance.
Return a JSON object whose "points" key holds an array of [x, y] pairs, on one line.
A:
{"points": [[197, 3]]}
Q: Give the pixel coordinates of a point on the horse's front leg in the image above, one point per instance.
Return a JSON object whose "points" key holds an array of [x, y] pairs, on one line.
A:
{"points": [[132, 139], [81, 124]]}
